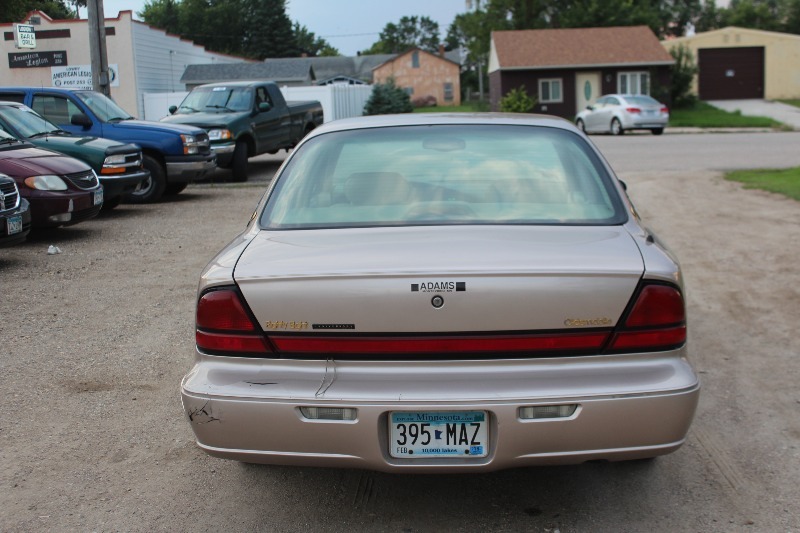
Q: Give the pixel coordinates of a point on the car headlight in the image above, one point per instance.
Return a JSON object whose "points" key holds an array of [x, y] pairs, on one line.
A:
{"points": [[191, 145], [219, 135], [118, 159], [46, 183]]}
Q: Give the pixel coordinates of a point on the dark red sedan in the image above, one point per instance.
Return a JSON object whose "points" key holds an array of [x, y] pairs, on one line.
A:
{"points": [[61, 190]]}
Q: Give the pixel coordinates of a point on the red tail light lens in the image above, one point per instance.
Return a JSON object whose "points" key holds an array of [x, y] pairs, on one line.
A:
{"points": [[657, 305], [665, 110], [224, 327], [657, 321], [633, 110]]}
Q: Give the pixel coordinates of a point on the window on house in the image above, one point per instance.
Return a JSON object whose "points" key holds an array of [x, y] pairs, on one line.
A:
{"points": [[633, 82], [550, 91], [415, 59], [448, 92], [409, 91]]}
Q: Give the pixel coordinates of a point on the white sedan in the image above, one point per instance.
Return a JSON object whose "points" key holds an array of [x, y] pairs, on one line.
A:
{"points": [[617, 113], [441, 293]]}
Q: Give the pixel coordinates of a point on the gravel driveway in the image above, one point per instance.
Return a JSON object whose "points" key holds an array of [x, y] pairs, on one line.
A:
{"points": [[95, 341]]}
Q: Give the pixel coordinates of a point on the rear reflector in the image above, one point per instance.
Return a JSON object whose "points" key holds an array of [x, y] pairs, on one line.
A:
{"points": [[539, 412], [648, 340], [417, 345]]}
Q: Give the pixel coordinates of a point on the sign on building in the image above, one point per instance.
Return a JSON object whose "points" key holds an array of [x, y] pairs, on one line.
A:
{"points": [[24, 36], [80, 76], [37, 59]]}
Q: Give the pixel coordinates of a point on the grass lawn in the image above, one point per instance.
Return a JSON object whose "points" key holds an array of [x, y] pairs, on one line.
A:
{"points": [[703, 115], [783, 181], [795, 103]]}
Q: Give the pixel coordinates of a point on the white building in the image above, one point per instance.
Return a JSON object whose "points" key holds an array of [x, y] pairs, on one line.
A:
{"points": [[146, 59]]}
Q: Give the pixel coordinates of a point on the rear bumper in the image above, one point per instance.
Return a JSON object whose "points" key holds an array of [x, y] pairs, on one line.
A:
{"points": [[629, 407], [646, 122], [185, 169]]}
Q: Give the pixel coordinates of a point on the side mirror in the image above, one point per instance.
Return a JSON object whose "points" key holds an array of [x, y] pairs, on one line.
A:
{"points": [[264, 106], [590, 107], [81, 119], [172, 109]]}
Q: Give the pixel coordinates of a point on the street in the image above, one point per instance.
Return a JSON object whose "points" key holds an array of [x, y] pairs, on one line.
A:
{"points": [[95, 341]]}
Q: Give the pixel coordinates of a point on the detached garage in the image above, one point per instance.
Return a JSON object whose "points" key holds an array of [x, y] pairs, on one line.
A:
{"points": [[739, 63]]}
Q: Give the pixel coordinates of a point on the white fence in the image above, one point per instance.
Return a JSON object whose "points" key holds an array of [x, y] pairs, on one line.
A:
{"points": [[338, 101]]}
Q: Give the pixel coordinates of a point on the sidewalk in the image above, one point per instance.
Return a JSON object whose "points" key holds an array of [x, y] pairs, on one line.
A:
{"points": [[788, 114]]}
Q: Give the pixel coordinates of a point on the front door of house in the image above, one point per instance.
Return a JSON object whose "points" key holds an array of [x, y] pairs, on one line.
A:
{"points": [[587, 89]]}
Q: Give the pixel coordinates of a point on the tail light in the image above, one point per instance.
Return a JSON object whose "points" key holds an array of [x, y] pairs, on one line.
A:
{"points": [[633, 110], [224, 327], [655, 321], [665, 110]]}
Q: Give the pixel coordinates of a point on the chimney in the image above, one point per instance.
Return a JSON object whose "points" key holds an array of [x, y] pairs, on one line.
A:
{"points": [[441, 50]]}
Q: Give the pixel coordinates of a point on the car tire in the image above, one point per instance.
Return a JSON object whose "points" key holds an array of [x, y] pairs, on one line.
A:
{"points": [[657, 131], [616, 127], [152, 189], [239, 162], [580, 125], [111, 203], [175, 188]]}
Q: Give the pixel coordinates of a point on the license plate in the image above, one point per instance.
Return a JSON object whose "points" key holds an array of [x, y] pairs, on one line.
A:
{"points": [[14, 225], [98, 197], [438, 434]]}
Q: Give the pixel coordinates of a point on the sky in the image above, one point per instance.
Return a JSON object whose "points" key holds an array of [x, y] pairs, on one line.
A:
{"points": [[349, 25]]}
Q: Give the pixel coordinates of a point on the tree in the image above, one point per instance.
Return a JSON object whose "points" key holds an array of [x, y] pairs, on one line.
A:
{"points": [[15, 10], [387, 98], [410, 32], [683, 72], [264, 29], [267, 30], [310, 44]]}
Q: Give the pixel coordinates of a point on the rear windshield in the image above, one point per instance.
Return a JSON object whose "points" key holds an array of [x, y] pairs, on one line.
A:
{"points": [[443, 174], [641, 100]]}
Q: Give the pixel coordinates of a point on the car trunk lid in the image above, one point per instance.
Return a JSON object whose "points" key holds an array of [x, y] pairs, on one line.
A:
{"points": [[439, 280]]}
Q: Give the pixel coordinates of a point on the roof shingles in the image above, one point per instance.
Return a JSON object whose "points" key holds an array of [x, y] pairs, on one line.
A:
{"points": [[534, 49]]}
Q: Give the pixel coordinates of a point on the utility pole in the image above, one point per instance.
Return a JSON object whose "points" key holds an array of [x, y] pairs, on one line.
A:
{"points": [[97, 47]]}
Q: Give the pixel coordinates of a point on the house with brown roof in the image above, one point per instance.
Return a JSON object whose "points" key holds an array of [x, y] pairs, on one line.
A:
{"points": [[568, 69], [423, 74]]}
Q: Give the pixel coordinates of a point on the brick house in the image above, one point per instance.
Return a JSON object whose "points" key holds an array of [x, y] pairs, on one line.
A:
{"points": [[422, 74], [568, 69]]}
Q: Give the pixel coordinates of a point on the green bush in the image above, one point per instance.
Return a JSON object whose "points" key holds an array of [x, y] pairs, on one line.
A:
{"points": [[517, 101], [683, 72], [388, 98]]}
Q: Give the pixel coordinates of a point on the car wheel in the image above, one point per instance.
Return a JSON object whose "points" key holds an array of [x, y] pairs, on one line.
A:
{"points": [[657, 131], [239, 162], [111, 203], [580, 125], [152, 188], [616, 127], [175, 188]]}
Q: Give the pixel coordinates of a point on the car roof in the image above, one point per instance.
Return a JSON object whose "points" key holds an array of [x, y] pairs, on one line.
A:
{"points": [[429, 119], [233, 84]]}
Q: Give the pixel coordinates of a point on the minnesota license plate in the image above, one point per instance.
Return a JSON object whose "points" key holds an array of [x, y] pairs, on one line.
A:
{"points": [[438, 434], [98, 197], [14, 225]]}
